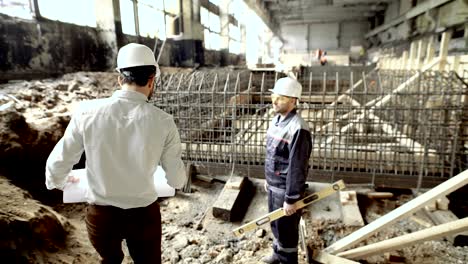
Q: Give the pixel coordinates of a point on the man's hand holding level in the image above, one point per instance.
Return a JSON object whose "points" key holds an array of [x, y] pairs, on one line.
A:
{"points": [[289, 209]]}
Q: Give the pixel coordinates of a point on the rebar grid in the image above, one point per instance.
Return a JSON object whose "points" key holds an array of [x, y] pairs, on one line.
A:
{"points": [[380, 122]]}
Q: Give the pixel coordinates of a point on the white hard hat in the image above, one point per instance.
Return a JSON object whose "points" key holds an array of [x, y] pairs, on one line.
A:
{"points": [[287, 86], [133, 55]]}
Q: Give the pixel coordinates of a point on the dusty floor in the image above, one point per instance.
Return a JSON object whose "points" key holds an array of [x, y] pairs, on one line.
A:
{"points": [[35, 227]]}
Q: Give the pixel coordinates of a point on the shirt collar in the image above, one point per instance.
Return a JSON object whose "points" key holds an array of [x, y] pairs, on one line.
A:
{"points": [[130, 95], [285, 120]]}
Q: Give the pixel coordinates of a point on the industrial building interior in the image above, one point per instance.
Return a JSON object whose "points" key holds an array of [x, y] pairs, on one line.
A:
{"points": [[384, 93]]}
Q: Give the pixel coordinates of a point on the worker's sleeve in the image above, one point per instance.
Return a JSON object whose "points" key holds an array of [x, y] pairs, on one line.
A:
{"points": [[65, 154], [171, 159], [299, 154]]}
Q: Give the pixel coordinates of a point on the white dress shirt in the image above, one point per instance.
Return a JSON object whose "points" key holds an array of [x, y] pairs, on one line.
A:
{"points": [[124, 138]]}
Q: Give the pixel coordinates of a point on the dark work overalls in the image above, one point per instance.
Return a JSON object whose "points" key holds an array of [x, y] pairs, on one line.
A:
{"points": [[288, 145]]}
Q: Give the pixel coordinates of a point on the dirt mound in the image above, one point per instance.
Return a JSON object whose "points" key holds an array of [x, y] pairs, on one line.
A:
{"points": [[27, 227]]}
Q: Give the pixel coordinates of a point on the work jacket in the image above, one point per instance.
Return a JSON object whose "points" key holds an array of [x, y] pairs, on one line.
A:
{"points": [[288, 148]]}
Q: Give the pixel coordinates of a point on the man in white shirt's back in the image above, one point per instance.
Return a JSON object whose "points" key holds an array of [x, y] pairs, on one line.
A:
{"points": [[124, 139]]}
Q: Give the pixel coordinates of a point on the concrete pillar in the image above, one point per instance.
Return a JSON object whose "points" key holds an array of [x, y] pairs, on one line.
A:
{"points": [[420, 54], [109, 26], [466, 36], [456, 63], [189, 44], [224, 19], [192, 27], [412, 56], [430, 50], [443, 50], [404, 60], [243, 39]]}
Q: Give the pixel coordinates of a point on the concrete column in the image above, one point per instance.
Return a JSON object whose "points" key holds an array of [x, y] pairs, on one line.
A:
{"points": [[412, 56], [109, 26], [430, 50], [404, 60], [420, 54], [224, 18], [189, 45], [466, 36], [243, 39], [443, 50]]}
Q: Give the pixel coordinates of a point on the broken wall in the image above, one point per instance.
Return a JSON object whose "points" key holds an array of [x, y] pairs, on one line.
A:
{"points": [[31, 49], [34, 49]]}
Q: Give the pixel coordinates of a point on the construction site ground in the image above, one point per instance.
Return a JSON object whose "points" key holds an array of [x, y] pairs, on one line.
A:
{"points": [[36, 227]]}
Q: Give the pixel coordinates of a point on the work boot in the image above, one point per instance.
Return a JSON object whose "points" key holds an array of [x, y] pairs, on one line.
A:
{"points": [[272, 259]]}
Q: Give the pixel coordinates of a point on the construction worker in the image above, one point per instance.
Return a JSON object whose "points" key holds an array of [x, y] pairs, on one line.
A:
{"points": [[323, 59], [288, 149], [124, 139]]}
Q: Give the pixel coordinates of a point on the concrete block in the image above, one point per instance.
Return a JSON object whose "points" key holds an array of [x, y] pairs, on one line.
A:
{"points": [[234, 199], [442, 203], [351, 216]]}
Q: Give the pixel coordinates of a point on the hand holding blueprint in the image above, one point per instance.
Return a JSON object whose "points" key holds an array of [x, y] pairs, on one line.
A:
{"points": [[76, 192]]}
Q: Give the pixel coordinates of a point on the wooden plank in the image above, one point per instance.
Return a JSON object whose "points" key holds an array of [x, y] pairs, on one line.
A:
{"points": [[204, 178], [235, 183], [407, 240], [420, 221], [346, 93], [379, 195], [442, 203], [325, 258], [350, 214], [408, 208], [404, 85], [303, 239], [440, 217], [402, 139], [232, 203], [376, 104]]}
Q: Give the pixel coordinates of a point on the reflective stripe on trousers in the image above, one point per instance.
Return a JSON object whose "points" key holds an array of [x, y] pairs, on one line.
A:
{"points": [[285, 229]]}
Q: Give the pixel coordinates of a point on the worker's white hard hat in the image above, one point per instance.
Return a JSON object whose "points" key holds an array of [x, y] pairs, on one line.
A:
{"points": [[287, 86], [133, 55]]}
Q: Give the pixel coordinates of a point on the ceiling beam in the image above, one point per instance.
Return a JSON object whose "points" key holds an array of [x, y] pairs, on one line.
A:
{"points": [[359, 2], [413, 12], [322, 21], [265, 16], [312, 8], [322, 15]]}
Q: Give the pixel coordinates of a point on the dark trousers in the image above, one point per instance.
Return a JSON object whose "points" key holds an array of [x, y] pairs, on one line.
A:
{"points": [[140, 227], [285, 229]]}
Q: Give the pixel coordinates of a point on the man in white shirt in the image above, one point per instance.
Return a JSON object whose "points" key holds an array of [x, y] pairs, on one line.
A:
{"points": [[124, 138]]}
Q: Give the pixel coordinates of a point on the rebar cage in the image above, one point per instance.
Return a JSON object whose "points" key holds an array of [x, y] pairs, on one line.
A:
{"points": [[371, 123]]}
